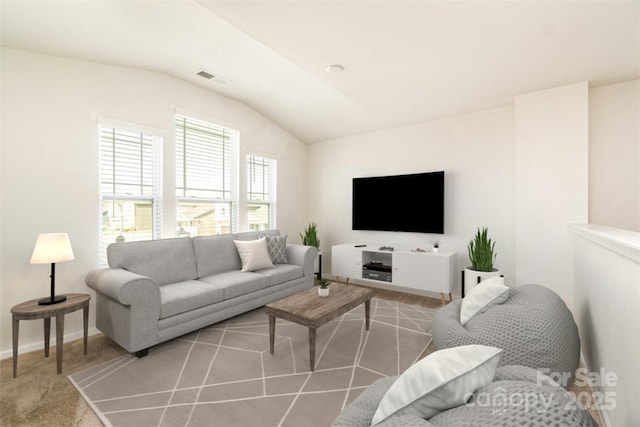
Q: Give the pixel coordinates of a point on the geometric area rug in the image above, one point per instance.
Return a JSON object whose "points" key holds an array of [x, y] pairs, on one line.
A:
{"points": [[224, 375]]}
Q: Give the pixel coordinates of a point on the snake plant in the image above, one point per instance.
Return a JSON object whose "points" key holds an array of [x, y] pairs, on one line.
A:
{"points": [[481, 251]]}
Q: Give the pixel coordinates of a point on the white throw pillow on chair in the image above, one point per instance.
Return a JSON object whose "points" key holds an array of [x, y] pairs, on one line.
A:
{"points": [[486, 294], [441, 380]]}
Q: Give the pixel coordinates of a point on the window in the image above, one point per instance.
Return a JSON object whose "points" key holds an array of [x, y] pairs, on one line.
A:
{"points": [[261, 172], [206, 168], [130, 173]]}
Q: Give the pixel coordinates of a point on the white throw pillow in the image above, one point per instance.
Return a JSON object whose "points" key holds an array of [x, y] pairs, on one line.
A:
{"points": [[484, 295], [440, 381], [254, 254]]}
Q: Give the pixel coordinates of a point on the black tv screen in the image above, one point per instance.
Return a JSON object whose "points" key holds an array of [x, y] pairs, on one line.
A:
{"points": [[412, 203]]}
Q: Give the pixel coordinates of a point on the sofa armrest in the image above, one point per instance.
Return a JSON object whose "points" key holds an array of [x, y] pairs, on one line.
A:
{"points": [[303, 256], [125, 287], [127, 307]]}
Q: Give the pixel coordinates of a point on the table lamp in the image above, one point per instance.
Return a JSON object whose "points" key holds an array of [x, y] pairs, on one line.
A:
{"points": [[52, 248]]}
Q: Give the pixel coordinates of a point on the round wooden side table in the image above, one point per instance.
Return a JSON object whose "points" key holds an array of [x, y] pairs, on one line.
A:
{"points": [[32, 310]]}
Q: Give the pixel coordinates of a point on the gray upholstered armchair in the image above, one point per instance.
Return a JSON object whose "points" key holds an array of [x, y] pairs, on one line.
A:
{"points": [[503, 402], [533, 326]]}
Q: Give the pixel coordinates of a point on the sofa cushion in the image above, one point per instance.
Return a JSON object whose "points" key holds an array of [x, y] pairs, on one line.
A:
{"points": [[281, 273], [164, 261], [254, 254], [236, 283], [216, 254], [180, 297]]}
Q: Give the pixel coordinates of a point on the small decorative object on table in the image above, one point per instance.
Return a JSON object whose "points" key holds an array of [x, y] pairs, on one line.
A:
{"points": [[436, 247], [323, 287]]}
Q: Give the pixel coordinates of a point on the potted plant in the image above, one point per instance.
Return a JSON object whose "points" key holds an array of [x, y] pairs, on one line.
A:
{"points": [[436, 247], [482, 255], [310, 236], [323, 287]]}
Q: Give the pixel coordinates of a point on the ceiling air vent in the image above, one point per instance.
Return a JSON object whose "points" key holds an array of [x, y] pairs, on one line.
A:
{"points": [[207, 75], [204, 74]]}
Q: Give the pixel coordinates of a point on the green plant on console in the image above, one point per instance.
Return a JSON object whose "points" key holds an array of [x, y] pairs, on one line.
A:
{"points": [[481, 251], [310, 236], [323, 283]]}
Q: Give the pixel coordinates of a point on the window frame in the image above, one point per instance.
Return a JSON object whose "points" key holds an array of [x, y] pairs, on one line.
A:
{"points": [[183, 121], [153, 139], [270, 192]]}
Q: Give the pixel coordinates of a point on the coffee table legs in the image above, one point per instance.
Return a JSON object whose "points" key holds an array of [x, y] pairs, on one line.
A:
{"points": [[312, 349], [272, 332], [367, 311], [312, 335]]}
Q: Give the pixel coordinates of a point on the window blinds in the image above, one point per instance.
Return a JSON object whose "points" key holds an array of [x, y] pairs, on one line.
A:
{"points": [[259, 179], [204, 159], [130, 175], [126, 163]]}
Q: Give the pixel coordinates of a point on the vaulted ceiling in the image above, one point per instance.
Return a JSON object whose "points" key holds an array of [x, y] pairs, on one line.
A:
{"points": [[404, 61]]}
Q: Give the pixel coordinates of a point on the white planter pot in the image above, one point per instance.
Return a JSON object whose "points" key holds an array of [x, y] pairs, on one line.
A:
{"points": [[471, 277], [323, 292]]}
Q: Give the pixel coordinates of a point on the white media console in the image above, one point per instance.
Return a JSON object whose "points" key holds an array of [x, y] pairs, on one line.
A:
{"points": [[426, 271]]}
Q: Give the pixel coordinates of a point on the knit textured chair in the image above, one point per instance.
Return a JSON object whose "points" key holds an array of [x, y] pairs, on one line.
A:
{"points": [[500, 403], [534, 328]]}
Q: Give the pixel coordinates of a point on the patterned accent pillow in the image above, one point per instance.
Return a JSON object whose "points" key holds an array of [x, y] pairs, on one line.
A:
{"points": [[277, 247]]}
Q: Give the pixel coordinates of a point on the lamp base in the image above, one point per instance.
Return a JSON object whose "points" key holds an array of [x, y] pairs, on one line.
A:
{"points": [[55, 300]]}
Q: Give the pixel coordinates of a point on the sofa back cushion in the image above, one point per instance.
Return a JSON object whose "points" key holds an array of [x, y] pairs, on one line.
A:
{"points": [[164, 260], [255, 235], [216, 254]]}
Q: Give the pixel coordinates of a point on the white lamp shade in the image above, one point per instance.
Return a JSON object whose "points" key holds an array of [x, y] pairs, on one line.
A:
{"points": [[52, 247]]}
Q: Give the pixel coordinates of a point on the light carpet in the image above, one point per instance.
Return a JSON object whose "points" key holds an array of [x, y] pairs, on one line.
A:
{"points": [[224, 375]]}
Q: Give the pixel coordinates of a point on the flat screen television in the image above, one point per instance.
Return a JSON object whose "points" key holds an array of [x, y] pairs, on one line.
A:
{"points": [[412, 203]]}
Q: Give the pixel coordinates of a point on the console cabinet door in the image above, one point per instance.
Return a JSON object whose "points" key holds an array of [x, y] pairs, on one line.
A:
{"points": [[426, 271], [346, 261]]}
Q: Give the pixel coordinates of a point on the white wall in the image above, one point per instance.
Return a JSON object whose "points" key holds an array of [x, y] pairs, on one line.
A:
{"points": [[475, 151], [551, 183], [614, 155], [521, 171], [48, 169], [607, 278], [49, 165]]}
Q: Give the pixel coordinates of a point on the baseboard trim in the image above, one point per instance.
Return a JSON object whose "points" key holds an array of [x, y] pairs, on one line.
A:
{"points": [[603, 414], [39, 345]]}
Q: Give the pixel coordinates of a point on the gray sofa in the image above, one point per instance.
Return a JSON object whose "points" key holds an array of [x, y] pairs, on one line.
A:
{"points": [[157, 290]]}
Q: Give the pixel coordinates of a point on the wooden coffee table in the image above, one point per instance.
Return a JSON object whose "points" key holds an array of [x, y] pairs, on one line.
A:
{"points": [[308, 309]]}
